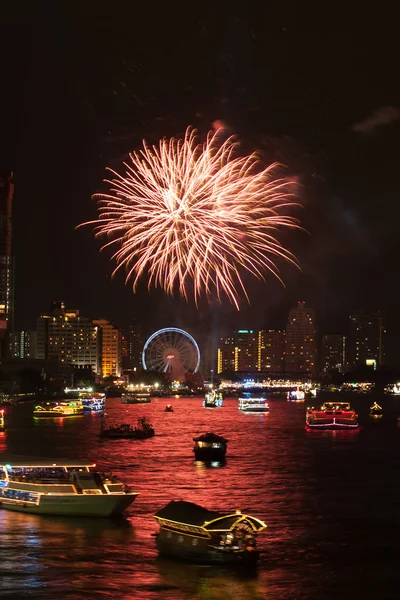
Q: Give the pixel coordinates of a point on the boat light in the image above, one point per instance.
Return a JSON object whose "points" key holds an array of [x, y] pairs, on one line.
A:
{"points": [[238, 512], [94, 464]]}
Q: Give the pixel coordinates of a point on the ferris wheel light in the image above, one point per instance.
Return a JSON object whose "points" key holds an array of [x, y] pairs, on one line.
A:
{"points": [[171, 350]]}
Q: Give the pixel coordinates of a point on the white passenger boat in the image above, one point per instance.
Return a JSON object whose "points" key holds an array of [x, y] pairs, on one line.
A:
{"points": [[93, 401], [253, 404], [60, 487]]}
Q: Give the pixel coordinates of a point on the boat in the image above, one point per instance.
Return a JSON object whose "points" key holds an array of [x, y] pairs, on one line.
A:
{"points": [[141, 431], [5, 400], [169, 408], [253, 404], [2, 423], [375, 410], [93, 402], [62, 408], [210, 447], [332, 415], [135, 398], [190, 532], [59, 487], [213, 399], [296, 395]]}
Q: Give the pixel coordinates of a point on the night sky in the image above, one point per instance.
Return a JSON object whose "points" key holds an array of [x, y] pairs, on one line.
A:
{"points": [[84, 82]]}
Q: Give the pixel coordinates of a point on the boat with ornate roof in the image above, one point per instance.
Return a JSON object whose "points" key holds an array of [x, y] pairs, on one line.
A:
{"points": [[375, 410], [210, 447], [332, 415], [190, 532], [60, 487]]}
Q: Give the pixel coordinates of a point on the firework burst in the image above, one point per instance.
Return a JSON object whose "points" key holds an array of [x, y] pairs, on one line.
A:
{"points": [[195, 216]]}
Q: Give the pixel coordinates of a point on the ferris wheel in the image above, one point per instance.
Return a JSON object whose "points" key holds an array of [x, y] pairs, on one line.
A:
{"points": [[171, 350]]}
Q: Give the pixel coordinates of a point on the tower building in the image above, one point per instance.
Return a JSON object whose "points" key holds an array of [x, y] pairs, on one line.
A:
{"points": [[301, 344], [6, 259]]}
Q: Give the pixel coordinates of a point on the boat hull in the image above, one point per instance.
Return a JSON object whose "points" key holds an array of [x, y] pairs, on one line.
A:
{"points": [[205, 555], [209, 454], [255, 409], [331, 425], [84, 505]]}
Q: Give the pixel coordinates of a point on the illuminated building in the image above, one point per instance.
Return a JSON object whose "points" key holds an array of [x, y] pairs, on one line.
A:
{"points": [[239, 352], [110, 348], [23, 344], [6, 259], [366, 339], [72, 339], [271, 351], [131, 348], [226, 355], [333, 352], [301, 345]]}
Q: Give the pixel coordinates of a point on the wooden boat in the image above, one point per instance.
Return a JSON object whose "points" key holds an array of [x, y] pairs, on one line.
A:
{"points": [[375, 410], [190, 532], [142, 431], [213, 399], [332, 415], [210, 447], [135, 398], [59, 487]]}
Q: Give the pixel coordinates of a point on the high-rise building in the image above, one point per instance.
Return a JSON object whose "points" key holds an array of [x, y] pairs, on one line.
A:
{"points": [[110, 348], [301, 344], [132, 348], [6, 259], [23, 344], [271, 351], [366, 339], [333, 352], [226, 355], [239, 352], [66, 335]]}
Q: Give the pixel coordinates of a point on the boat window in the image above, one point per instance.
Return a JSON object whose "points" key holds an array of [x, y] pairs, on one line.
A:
{"points": [[3, 473], [195, 541], [169, 534], [180, 539]]}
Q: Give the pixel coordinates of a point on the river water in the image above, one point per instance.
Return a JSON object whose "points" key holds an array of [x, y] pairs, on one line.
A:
{"points": [[331, 501]]}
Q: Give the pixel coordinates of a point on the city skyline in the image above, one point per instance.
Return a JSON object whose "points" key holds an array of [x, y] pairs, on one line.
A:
{"points": [[343, 153]]}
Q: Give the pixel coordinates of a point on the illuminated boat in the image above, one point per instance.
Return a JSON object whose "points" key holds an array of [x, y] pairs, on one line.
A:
{"points": [[2, 423], [92, 401], [213, 399], [169, 408], [296, 395], [61, 488], [142, 431], [190, 532], [332, 415], [253, 404], [62, 408], [375, 410], [210, 447], [135, 398]]}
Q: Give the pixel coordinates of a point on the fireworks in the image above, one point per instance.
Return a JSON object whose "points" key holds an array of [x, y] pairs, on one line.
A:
{"points": [[194, 216]]}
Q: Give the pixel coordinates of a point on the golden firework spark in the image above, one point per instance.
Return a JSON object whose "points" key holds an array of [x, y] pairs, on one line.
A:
{"points": [[194, 216]]}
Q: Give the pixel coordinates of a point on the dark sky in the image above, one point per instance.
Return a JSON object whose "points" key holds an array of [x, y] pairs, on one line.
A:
{"points": [[84, 82]]}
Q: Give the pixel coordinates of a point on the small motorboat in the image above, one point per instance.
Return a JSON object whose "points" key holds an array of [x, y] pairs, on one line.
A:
{"points": [[210, 447], [169, 408], [193, 533], [141, 431], [375, 410]]}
